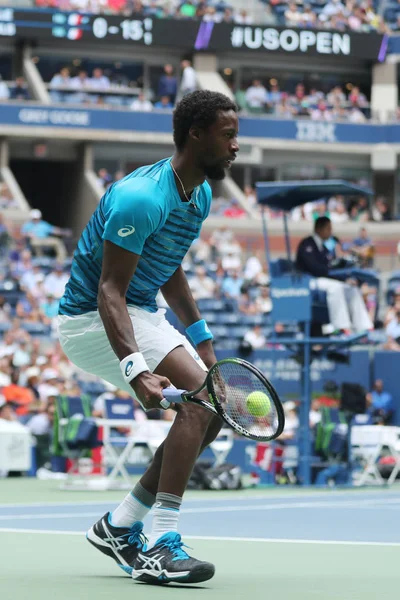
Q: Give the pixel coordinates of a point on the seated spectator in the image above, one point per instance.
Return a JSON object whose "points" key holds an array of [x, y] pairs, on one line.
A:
{"points": [[164, 103], [263, 301], [61, 79], [99, 81], [25, 306], [201, 285], [392, 310], [4, 91], [339, 214], [363, 248], [336, 95], [393, 333], [308, 17], [246, 305], [5, 310], [243, 18], [380, 210], [168, 84], [19, 396], [187, 9], [80, 81], [37, 228], [49, 306], [356, 116], [141, 104], [231, 260], [54, 283], [322, 113], [357, 98], [380, 404], [284, 110], [291, 421], [256, 96], [255, 338], [252, 269], [104, 178], [250, 194], [7, 412], [231, 285], [19, 91], [293, 16]]}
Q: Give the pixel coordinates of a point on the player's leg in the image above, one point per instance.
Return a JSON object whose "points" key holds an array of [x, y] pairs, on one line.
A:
{"points": [[164, 560], [85, 343]]}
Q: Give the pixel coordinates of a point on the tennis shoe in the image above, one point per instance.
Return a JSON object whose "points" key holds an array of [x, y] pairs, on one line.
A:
{"points": [[120, 543], [167, 562]]}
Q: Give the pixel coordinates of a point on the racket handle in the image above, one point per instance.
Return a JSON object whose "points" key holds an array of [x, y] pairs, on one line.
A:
{"points": [[171, 394]]}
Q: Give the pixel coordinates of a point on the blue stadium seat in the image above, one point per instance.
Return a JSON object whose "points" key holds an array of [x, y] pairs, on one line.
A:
{"points": [[219, 331], [212, 304], [230, 318], [36, 328], [281, 266]]}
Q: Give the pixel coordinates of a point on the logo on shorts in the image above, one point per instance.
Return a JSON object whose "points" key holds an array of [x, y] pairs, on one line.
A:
{"points": [[128, 368], [127, 230]]}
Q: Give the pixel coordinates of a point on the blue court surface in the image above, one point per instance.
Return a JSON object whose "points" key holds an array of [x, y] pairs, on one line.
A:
{"points": [[291, 543]]}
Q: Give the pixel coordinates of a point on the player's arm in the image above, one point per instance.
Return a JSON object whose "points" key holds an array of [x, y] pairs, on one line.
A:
{"points": [[179, 298]]}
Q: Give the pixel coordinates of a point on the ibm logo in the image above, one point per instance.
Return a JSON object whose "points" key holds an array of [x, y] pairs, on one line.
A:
{"points": [[311, 131]]}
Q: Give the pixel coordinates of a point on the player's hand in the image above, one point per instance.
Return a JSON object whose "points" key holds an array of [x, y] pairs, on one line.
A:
{"points": [[148, 388]]}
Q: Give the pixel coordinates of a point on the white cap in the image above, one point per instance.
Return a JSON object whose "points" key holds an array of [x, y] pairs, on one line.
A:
{"points": [[290, 405], [49, 374], [50, 391], [35, 213], [32, 372]]}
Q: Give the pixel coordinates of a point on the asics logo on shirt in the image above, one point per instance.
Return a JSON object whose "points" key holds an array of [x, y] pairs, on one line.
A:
{"points": [[128, 368], [127, 230]]}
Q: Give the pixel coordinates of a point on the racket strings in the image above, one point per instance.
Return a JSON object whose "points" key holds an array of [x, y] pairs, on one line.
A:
{"points": [[233, 383]]}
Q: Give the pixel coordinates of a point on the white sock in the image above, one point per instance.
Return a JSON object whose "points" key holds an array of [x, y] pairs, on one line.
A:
{"points": [[134, 507], [165, 516]]}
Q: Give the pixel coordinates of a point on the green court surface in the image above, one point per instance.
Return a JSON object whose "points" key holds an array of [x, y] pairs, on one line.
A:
{"points": [[44, 554]]}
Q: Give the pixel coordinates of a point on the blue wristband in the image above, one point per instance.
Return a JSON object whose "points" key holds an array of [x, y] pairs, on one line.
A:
{"points": [[199, 332]]}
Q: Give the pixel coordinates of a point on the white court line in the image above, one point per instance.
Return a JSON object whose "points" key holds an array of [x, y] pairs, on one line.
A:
{"points": [[321, 494], [363, 504], [226, 539]]}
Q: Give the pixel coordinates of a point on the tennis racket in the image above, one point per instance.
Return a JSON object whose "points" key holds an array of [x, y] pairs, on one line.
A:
{"points": [[228, 384]]}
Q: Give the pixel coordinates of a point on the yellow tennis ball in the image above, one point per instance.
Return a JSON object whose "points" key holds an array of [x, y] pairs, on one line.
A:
{"points": [[258, 404]]}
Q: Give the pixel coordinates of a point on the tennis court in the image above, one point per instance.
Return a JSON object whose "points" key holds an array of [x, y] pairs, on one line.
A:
{"points": [[265, 543]]}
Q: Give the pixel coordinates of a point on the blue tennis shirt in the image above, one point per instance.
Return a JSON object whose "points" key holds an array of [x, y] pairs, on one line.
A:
{"points": [[144, 214]]}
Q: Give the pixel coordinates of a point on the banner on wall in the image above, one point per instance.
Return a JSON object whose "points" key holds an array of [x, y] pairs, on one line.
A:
{"points": [[75, 27]]}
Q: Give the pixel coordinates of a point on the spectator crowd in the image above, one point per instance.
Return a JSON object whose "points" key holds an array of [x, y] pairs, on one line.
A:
{"points": [[335, 105], [361, 15]]}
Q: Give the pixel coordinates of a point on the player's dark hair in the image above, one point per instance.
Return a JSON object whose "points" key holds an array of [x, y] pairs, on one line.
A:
{"points": [[321, 222], [199, 108]]}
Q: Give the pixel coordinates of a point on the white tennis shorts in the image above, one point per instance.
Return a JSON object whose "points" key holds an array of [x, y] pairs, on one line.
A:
{"points": [[85, 342]]}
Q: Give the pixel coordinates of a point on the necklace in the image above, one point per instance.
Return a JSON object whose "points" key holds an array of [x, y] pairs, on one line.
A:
{"points": [[183, 188]]}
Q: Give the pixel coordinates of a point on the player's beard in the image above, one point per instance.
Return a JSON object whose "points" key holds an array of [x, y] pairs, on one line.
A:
{"points": [[216, 172]]}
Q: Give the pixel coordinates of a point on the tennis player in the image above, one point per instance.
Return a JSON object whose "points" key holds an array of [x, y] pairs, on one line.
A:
{"points": [[110, 326]]}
